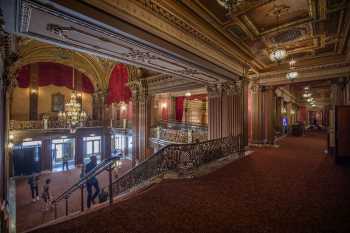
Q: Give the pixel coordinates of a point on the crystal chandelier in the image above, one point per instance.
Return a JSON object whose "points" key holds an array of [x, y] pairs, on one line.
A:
{"points": [[230, 5], [73, 114], [278, 55]]}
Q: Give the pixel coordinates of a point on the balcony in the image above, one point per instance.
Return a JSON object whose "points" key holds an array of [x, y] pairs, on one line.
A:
{"points": [[48, 124], [173, 132]]}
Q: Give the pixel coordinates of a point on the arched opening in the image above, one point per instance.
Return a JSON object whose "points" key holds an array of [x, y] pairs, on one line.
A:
{"points": [[47, 87]]}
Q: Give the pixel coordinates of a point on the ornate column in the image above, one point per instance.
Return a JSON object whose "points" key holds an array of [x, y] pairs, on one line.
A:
{"points": [[172, 108], [269, 114], [225, 110], [336, 99], [45, 157], [214, 112], [244, 110], [33, 92], [106, 143], [258, 114], [141, 122]]}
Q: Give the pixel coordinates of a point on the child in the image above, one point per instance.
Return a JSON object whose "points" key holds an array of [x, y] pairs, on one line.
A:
{"points": [[47, 194]]}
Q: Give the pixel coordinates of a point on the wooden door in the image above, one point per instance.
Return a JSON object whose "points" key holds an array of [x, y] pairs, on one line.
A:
{"points": [[342, 127]]}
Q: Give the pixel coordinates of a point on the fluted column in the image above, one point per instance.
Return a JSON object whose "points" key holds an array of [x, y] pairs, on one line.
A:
{"points": [[214, 112], [225, 110], [269, 114], [141, 121], [336, 99], [258, 114]]}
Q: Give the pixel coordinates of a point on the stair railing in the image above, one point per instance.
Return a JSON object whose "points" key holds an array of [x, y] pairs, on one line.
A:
{"points": [[181, 157], [104, 165]]}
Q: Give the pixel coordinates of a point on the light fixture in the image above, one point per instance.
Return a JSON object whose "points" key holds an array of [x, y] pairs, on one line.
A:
{"points": [[307, 95], [292, 75], [292, 112], [33, 91], [164, 105], [10, 145], [283, 110], [73, 113], [278, 53], [27, 140], [63, 137], [230, 5], [123, 106], [310, 99], [188, 94], [11, 136]]}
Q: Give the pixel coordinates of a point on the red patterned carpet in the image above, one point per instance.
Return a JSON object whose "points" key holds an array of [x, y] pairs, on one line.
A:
{"points": [[291, 189]]}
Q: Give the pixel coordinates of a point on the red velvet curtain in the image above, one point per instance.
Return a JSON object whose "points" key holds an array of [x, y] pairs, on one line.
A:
{"points": [[118, 90], [179, 109], [54, 74]]}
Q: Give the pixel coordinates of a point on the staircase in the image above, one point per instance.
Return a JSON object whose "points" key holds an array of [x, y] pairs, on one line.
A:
{"points": [[179, 158]]}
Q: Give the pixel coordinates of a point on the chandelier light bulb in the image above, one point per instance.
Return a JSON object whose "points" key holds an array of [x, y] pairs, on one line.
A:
{"points": [[292, 75]]}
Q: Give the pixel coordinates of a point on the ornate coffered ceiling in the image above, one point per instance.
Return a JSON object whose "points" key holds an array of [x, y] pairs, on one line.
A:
{"points": [[196, 39], [308, 29]]}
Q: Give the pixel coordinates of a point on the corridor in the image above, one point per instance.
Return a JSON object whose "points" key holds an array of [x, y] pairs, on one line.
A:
{"points": [[294, 188]]}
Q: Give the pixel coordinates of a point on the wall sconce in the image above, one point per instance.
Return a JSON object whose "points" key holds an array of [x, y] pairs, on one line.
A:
{"points": [[283, 110], [164, 105], [292, 112], [33, 91], [10, 145], [79, 95], [188, 94], [11, 137], [123, 107]]}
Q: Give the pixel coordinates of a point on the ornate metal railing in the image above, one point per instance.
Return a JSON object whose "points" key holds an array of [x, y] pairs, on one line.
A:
{"points": [[177, 157], [79, 185], [47, 124], [179, 135]]}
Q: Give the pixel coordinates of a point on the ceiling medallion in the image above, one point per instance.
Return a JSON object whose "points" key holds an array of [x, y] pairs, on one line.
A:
{"points": [[230, 5]]}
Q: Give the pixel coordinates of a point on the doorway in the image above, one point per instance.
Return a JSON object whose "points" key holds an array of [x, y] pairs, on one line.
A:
{"points": [[92, 147], [62, 149], [26, 158]]}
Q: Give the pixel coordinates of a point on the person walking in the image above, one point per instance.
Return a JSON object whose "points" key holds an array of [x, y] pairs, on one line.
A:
{"points": [[65, 161], [92, 182], [34, 187], [46, 195]]}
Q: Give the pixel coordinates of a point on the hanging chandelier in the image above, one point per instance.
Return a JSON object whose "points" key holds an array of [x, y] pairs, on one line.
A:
{"points": [[230, 5], [73, 115], [292, 74], [278, 53]]}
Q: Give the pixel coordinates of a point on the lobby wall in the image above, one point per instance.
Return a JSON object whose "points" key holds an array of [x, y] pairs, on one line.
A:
{"points": [[20, 101]]}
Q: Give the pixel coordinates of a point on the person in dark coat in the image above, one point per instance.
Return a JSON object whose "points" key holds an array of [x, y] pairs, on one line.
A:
{"points": [[92, 182], [34, 186]]}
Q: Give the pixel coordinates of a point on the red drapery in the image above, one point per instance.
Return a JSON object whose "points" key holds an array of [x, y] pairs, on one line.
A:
{"points": [[118, 90], [179, 109], [54, 74]]}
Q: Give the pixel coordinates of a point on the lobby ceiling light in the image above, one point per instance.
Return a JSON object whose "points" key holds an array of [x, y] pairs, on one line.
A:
{"points": [[188, 94], [230, 5], [292, 74], [278, 54], [73, 114]]}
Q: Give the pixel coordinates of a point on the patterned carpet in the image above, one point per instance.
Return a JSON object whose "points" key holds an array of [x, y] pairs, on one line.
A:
{"points": [[292, 189]]}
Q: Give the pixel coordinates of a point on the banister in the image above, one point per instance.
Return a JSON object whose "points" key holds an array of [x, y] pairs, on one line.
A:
{"points": [[94, 172]]}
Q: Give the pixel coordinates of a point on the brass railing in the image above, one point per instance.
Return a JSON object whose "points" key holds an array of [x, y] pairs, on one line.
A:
{"points": [[177, 156], [49, 124]]}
